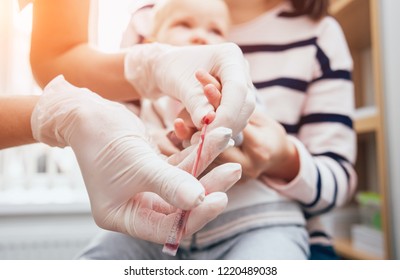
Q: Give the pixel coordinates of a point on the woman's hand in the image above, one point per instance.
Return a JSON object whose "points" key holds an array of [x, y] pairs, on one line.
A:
{"points": [[266, 150]]}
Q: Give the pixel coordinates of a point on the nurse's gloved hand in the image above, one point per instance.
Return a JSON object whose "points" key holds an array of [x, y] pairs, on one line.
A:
{"points": [[131, 188], [156, 70]]}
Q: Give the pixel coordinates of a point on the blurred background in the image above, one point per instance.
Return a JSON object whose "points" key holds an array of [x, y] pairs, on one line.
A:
{"points": [[44, 208]]}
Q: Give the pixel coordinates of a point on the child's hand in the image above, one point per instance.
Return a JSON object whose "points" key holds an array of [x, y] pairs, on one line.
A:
{"points": [[265, 149], [155, 70], [183, 125]]}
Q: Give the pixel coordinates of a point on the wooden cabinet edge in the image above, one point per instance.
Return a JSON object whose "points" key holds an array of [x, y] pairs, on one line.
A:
{"points": [[366, 120], [353, 16], [345, 249], [338, 6]]}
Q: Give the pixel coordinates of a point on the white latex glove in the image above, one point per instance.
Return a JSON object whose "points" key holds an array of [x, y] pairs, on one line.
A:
{"points": [[128, 184], [157, 69]]}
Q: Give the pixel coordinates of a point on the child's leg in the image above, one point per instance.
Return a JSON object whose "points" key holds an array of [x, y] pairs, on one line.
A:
{"points": [[271, 243], [110, 245]]}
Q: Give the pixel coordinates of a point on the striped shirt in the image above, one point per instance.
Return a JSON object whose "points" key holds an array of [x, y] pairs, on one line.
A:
{"points": [[302, 70]]}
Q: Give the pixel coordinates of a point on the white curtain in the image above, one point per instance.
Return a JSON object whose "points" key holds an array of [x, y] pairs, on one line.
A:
{"points": [[108, 20], [15, 30]]}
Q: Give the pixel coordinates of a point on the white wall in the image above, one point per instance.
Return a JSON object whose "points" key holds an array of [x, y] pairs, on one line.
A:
{"points": [[44, 235], [390, 37]]}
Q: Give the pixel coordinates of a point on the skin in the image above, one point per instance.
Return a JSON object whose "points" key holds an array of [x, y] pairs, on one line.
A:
{"points": [[15, 116], [191, 22], [60, 45]]}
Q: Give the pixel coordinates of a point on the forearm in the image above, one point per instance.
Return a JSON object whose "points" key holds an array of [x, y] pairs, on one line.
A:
{"points": [[288, 167], [86, 67], [15, 116], [60, 46], [325, 181]]}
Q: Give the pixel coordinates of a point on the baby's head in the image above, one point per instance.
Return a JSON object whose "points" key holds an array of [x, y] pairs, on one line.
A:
{"points": [[190, 22]]}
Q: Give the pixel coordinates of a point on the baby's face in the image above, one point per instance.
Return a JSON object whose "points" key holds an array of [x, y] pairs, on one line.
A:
{"points": [[194, 22]]}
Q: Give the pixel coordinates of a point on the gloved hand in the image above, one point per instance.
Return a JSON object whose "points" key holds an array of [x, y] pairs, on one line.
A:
{"points": [[131, 188], [157, 69]]}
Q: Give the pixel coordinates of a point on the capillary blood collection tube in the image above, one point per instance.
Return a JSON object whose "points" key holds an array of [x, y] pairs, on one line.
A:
{"points": [[172, 244]]}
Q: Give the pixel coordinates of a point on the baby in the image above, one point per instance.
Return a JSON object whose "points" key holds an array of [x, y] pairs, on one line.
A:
{"points": [[258, 221], [175, 22], [179, 22], [190, 22]]}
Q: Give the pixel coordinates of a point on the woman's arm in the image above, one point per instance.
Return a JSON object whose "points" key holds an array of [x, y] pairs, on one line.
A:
{"points": [[15, 116], [60, 46], [327, 140]]}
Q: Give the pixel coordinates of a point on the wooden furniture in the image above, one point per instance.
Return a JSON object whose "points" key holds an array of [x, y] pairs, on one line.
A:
{"points": [[360, 22]]}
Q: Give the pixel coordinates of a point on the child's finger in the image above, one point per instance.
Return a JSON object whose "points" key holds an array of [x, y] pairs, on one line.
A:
{"points": [[206, 78], [215, 142], [213, 95], [182, 130]]}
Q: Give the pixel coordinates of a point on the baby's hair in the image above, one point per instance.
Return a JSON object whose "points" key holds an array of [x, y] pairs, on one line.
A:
{"points": [[315, 9], [161, 10]]}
